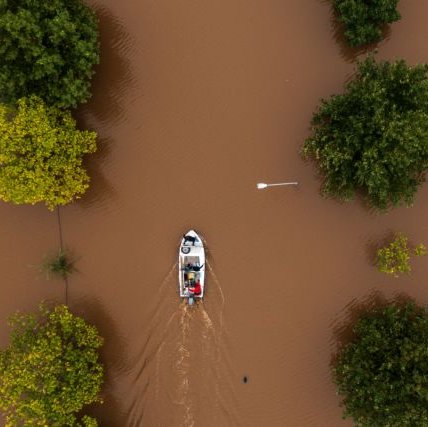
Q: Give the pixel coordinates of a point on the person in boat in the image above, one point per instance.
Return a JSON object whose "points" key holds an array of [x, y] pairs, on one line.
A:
{"points": [[189, 277], [196, 289], [197, 267], [188, 267], [190, 239]]}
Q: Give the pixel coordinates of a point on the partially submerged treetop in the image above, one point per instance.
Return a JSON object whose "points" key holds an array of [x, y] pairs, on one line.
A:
{"points": [[50, 370], [363, 20], [382, 375], [394, 258], [41, 154], [374, 137], [48, 49]]}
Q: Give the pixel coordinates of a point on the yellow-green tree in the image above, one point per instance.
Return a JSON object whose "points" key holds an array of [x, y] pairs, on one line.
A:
{"points": [[394, 258], [50, 370], [41, 154]]}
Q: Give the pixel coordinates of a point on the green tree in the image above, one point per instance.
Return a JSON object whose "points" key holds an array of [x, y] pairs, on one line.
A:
{"points": [[48, 49], [374, 137], [41, 154], [50, 370], [382, 375], [395, 257], [363, 20]]}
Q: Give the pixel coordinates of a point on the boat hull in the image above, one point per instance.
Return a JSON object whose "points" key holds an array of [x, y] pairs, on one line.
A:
{"points": [[191, 252]]}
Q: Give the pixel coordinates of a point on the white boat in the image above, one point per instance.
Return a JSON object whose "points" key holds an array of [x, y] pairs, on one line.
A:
{"points": [[191, 266]]}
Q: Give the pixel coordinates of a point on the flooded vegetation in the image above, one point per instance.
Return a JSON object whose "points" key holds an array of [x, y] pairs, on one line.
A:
{"points": [[194, 103]]}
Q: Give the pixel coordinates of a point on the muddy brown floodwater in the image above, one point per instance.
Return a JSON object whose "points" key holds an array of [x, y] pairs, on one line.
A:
{"points": [[195, 102]]}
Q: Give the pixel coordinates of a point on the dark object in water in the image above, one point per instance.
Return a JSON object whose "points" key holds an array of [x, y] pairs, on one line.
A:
{"points": [[245, 379]]}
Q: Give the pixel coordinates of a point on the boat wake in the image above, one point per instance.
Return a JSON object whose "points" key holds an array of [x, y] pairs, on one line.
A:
{"points": [[179, 394], [217, 291], [182, 367]]}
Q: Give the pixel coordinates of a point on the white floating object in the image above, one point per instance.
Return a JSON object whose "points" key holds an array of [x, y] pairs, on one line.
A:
{"points": [[262, 185]]}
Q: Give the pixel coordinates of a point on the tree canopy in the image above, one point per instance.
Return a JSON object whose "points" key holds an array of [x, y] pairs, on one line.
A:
{"points": [[382, 375], [41, 154], [48, 49], [374, 137], [363, 20], [50, 370], [394, 258]]}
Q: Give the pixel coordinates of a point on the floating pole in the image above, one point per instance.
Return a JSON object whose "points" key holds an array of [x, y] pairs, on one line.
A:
{"points": [[262, 185]]}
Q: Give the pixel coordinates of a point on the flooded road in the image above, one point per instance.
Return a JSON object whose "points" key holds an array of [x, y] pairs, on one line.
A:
{"points": [[194, 103]]}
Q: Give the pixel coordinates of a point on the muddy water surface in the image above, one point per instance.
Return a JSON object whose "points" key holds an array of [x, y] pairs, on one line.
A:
{"points": [[195, 102]]}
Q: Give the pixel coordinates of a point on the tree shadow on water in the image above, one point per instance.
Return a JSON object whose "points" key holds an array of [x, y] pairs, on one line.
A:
{"points": [[113, 79], [100, 189], [111, 83], [113, 357]]}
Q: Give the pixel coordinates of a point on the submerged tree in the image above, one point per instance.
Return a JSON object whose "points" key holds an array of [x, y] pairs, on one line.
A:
{"points": [[50, 370], [395, 257], [382, 375], [48, 48], [41, 154], [363, 20], [374, 137], [60, 264]]}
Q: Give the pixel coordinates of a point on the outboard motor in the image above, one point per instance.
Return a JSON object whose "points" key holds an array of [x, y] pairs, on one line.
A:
{"points": [[191, 300]]}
